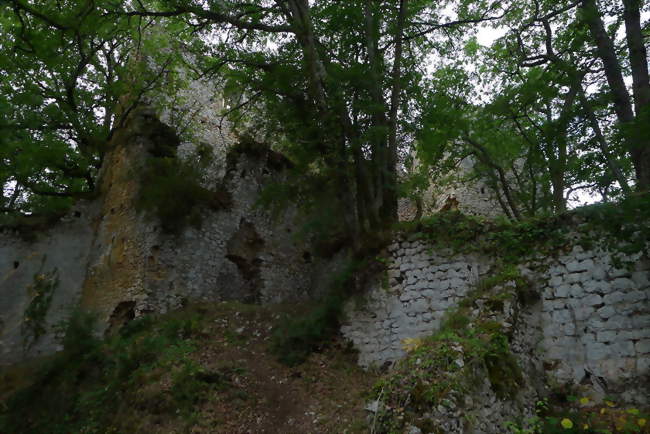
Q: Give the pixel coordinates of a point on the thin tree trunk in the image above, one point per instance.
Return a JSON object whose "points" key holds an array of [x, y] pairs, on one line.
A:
{"points": [[607, 53], [390, 189], [483, 155], [612, 164], [379, 146]]}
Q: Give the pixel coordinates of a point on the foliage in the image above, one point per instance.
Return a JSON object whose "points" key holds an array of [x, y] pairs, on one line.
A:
{"points": [[582, 416], [441, 368], [85, 387], [514, 242], [70, 72], [41, 292], [172, 191], [625, 220], [297, 337], [510, 241]]}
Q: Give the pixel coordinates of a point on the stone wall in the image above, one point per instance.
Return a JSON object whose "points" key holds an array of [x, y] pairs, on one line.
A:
{"points": [[117, 262], [455, 190], [59, 253], [591, 324]]}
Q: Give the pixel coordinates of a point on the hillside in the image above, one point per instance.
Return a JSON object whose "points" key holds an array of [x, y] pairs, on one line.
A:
{"points": [[204, 369]]}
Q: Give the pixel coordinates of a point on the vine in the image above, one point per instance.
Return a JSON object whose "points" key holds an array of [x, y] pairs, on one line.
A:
{"points": [[41, 291]]}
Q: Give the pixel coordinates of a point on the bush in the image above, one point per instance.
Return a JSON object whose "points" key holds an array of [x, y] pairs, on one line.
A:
{"points": [[295, 339], [171, 191], [84, 388]]}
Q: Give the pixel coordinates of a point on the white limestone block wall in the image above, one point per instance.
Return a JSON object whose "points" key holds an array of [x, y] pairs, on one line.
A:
{"points": [[594, 312], [596, 321], [422, 284]]}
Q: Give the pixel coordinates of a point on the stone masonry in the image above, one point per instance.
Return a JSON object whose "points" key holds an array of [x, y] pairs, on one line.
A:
{"points": [[115, 261], [592, 321]]}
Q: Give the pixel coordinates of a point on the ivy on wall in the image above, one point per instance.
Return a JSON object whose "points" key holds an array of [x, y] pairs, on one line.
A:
{"points": [[41, 292]]}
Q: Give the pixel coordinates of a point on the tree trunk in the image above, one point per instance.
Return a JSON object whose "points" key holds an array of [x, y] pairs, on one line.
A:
{"points": [[638, 55], [390, 189], [612, 164], [638, 145]]}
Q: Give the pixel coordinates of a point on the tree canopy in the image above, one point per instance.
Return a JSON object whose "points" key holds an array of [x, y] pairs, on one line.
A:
{"points": [[349, 91]]}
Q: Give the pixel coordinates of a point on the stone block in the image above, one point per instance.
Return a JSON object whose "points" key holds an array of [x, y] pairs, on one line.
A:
{"points": [[642, 346], [619, 272], [556, 280], [429, 293], [419, 306], [597, 351], [622, 283], [583, 312], [456, 284], [635, 296], [613, 298], [606, 336], [576, 277], [598, 272], [592, 300], [606, 312], [618, 322], [640, 321], [421, 285], [562, 316], [622, 348], [570, 329], [562, 291], [595, 325], [596, 286], [576, 291], [574, 266], [643, 365], [558, 270], [641, 279]]}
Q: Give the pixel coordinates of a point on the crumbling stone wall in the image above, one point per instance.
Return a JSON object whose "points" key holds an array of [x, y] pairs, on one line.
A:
{"points": [[457, 190], [237, 253], [117, 262], [591, 323]]}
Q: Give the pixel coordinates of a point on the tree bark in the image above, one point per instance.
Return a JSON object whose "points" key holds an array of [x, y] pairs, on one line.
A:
{"points": [[390, 189], [638, 145], [638, 55]]}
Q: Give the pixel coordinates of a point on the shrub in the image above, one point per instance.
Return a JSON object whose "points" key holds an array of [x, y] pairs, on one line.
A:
{"points": [[295, 339], [171, 191], [84, 387]]}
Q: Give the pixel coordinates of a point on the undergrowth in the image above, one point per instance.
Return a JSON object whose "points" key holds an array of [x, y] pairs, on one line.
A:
{"points": [[471, 347], [90, 386], [296, 338], [582, 416], [515, 241], [440, 369]]}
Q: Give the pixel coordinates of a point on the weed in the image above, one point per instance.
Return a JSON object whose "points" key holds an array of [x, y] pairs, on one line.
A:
{"points": [[41, 292]]}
